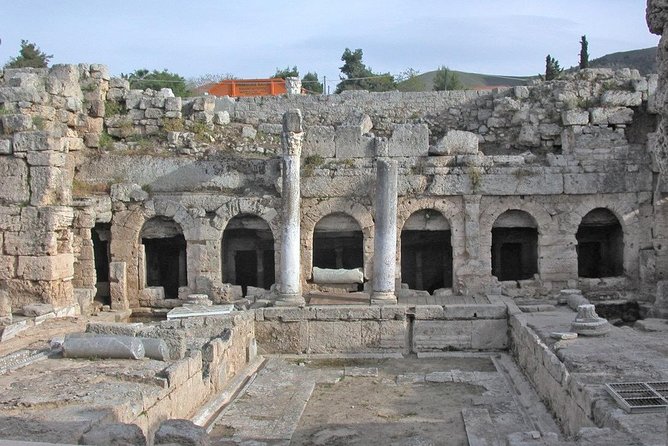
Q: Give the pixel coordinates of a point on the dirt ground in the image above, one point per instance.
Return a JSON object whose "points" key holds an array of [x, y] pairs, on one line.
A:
{"points": [[388, 402], [39, 337]]}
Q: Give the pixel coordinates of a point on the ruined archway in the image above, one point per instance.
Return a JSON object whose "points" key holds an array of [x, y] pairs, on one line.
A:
{"points": [[338, 242], [248, 252], [514, 246], [426, 251], [164, 255], [600, 245], [101, 236]]}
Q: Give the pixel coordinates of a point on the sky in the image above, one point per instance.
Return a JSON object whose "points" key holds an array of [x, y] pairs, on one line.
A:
{"points": [[252, 38]]}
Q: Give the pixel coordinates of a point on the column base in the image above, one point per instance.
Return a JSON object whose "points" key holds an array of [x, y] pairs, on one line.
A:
{"points": [[381, 298], [290, 300]]}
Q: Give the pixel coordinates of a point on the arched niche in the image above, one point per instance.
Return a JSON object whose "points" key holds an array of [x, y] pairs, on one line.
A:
{"points": [[248, 252], [338, 242], [164, 255], [600, 245], [514, 246], [426, 251]]}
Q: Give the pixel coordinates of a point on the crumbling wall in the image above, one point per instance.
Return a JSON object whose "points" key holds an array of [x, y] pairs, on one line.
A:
{"points": [[45, 116], [91, 150]]}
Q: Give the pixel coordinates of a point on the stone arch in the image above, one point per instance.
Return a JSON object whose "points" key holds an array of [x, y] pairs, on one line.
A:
{"points": [[450, 211], [315, 213], [260, 208], [248, 252], [125, 246], [600, 245], [163, 261], [626, 212], [494, 207]]}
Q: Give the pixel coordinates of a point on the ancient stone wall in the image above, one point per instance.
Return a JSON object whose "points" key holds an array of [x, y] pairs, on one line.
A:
{"points": [[83, 149]]}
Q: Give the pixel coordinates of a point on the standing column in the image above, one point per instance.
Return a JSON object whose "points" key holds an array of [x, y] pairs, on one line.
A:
{"points": [[385, 233], [290, 292]]}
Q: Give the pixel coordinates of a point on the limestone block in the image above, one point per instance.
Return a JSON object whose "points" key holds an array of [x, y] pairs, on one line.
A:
{"points": [[433, 335], [19, 94], [282, 337], [56, 267], [320, 141], [409, 140], [221, 117], [5, 147], [183, 432], [523, 181], [456, 142], [521, 92], [63, 80], [153, 293], [349, 143], [118, 285], [614, 115], [359, 120], [616, 98], [15, 123], [38, 309], [174, 104], [154, 113], [55, 159], [31, 243], [394, 335], [491, 334], [37, 141], [49, 186], [332, 337], [529, 135], [5, 308], [114, 433], [575, 117], [325, 313], [14, 174], [248, 131], [334, 276], [7, 267], [128, 192]]}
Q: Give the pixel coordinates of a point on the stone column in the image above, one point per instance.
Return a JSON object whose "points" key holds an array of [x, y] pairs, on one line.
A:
{"points": [[290, 292], [385, 233]]}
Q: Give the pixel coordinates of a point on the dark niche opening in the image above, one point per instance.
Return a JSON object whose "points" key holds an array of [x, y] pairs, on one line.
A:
{"points": [[426, 251], [165, 255], [101, 237], [514, 246], [248, 253], [338, 243], [600, 245]]}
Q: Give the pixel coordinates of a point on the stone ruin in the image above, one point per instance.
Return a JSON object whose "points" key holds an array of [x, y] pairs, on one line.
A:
{"points": [[141, 198], [140, 201]]}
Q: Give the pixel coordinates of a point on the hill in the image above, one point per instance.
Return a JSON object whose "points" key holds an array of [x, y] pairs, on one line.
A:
{"points": [[644, 60]]}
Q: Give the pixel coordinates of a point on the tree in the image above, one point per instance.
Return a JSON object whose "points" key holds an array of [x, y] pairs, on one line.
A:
{"points": [[584, 53], [29, 56], [156, 80], [446, 79], [311, 83], [286, 72], [408, 80], [552, 68], [360, 77]]}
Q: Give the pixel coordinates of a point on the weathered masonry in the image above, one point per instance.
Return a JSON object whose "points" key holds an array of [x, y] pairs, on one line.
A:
{"points": [[141, 198]]}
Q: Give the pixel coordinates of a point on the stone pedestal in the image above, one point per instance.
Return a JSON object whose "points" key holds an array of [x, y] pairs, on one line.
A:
{"points": [[588, 323], [385, 233], [289, 275]]}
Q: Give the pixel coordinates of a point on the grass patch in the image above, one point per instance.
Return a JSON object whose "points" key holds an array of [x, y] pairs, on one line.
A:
{"points": [[112, 108], [311, 162]]}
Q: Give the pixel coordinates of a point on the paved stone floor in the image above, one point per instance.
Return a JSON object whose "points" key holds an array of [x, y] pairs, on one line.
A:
{"points": [[444, 399]]}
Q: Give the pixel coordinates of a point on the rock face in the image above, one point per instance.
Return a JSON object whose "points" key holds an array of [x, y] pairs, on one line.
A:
{"points": [[657, 18], [182, 432]]}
